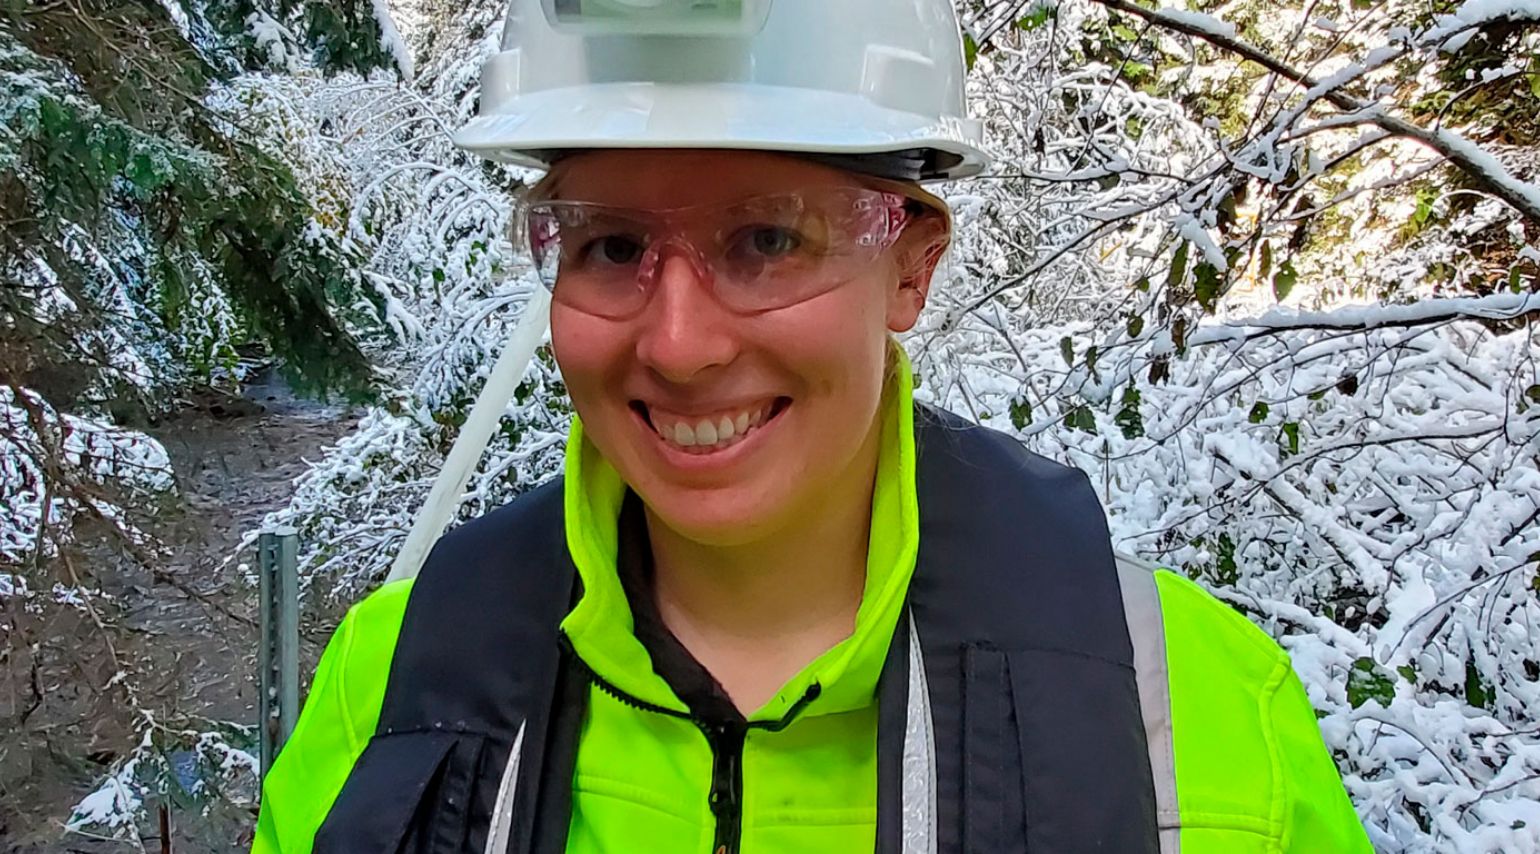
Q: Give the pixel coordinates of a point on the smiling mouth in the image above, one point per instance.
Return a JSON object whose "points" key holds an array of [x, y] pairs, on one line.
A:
{"points": [[713, 433]]}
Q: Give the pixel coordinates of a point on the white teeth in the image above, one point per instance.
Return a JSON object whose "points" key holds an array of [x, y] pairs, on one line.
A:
{"points": [[713, 433], [684, 435]]}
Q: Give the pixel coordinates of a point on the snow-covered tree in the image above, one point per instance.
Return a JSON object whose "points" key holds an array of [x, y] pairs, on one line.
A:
{"points": [[145, 234]]}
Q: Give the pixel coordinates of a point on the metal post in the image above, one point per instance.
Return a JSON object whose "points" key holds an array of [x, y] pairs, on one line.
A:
{"points": [[278, 651]]}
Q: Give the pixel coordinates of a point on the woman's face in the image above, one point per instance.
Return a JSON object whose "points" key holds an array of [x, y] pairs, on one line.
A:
{"points": [[797, 387]]}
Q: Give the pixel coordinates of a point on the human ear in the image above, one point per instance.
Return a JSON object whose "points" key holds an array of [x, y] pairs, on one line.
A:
{"points": [[917, 253]]}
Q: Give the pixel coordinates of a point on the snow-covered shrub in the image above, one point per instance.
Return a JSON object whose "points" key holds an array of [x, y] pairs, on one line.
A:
{"points": [[1364, 483], [54, 467], [187, 766], [434, 230], [1359, 480]]}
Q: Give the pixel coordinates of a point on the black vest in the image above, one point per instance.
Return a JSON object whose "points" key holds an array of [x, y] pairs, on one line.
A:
{"points": [[1039, 744]]}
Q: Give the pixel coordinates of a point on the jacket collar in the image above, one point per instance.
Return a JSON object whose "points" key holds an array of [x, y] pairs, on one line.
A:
{"points": [[601, 627]]}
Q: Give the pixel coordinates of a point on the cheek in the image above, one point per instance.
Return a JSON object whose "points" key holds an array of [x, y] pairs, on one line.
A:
{"points": [[587, 350], [838, 341]]}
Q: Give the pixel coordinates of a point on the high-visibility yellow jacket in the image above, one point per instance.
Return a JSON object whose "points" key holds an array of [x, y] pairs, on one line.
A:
{"points": [[1008, 685]]}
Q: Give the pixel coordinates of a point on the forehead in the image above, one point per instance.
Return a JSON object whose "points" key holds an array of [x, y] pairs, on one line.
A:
{"points": [[672, 178]]}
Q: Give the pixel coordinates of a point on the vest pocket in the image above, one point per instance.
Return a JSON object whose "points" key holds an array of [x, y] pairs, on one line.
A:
{"points": [[993, 819], [1085, 768], [408, 793]]}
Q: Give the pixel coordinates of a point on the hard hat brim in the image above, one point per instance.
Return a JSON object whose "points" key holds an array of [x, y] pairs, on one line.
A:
{"points": [[532, 128]]}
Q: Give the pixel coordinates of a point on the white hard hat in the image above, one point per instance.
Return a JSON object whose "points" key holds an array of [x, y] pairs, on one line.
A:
{"points": [[872, 81]]}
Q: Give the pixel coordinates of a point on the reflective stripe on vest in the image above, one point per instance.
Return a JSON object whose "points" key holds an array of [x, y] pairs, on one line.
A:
{"points": [[919, 757], [1141, 607], [507, 790]]}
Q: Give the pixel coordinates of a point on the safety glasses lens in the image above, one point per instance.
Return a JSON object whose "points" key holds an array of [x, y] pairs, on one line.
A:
{"points": [[759, 254]]}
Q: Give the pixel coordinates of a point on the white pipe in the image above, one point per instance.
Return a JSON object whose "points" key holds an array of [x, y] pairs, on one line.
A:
{"points": [[449, 487]]}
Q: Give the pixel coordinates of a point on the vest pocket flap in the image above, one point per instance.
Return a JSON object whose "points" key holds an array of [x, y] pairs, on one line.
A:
{"points": [[388, 792]]}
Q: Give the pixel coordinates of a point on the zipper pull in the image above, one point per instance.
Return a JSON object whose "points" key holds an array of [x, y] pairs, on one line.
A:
{"points": [[724, 777]]}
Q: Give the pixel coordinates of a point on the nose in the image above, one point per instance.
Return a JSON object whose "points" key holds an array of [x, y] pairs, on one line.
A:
{"points": [[685, 331]]}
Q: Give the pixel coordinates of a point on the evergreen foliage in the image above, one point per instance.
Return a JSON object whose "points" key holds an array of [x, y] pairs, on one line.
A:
{"points": [[136, 215], [148, 231]]}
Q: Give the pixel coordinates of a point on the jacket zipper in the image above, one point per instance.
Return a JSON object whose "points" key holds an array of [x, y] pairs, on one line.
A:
{"points": [[726, 740]]}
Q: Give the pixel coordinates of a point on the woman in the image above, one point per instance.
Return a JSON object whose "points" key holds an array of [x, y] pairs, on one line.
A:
{"points": [[773, 605]]}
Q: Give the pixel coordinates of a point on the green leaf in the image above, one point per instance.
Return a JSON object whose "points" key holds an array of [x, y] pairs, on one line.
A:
{"points": [[1207, 284], [1067, 350], [1178, 266], [1283, 280], [970, 50], [1036, 18], [1408, 673], [1367, 681], [1135, 326], [1291, 436], [1021, 413], [1081, 418], [141, 172], [1258, 413], [1533, 393], [1130, 422], [1129, 419], [1143, 285], [1426, 198], [1224, 568], [1477, 692]]}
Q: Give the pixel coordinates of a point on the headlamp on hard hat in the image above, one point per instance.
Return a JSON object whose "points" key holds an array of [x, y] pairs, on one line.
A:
{"points": [[658, 17]]}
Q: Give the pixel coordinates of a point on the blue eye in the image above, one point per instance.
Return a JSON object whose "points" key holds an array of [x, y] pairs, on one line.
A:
{"points": [[770, 241]]}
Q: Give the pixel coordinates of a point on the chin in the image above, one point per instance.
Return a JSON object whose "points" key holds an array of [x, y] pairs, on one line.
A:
{"points": [[720, 517]]}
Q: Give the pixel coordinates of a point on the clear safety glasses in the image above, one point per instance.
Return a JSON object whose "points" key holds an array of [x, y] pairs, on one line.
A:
{"points": [[755, 254]]}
